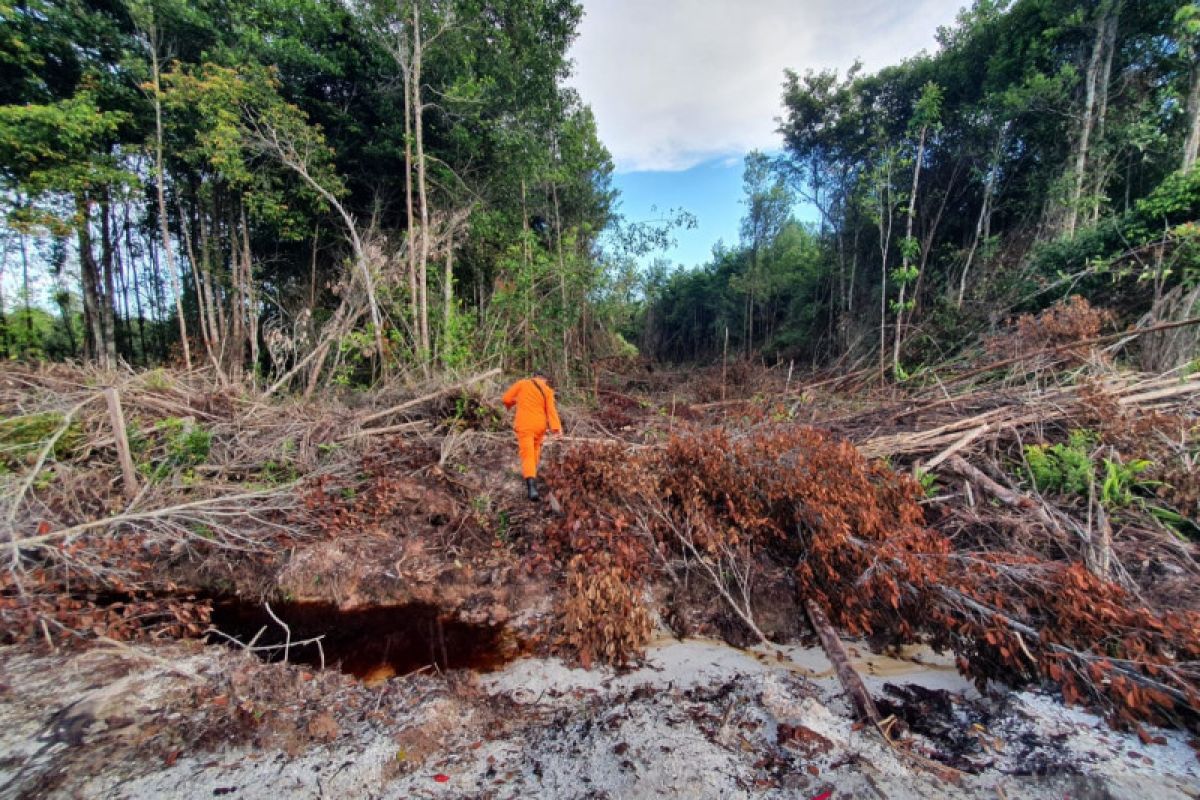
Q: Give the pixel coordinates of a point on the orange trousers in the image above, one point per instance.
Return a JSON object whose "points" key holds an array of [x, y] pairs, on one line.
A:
{"points": [[529, 444]]}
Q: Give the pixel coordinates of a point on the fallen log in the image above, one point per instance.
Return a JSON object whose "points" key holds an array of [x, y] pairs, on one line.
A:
{"points": [[1048, 407], [387, 412], [1112, 337], [1005, 495], [958, 446], [401, 428], [864, 705]]}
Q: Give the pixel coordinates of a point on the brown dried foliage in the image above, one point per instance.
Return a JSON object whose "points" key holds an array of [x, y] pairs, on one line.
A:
{"points": [[852, 529], [853, 534], [1095, 641], [1159, 437], [1067, 321], [604, 615]]}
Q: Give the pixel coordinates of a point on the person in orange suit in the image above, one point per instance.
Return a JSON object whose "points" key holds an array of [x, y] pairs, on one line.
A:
{"points": [[536, 413]]}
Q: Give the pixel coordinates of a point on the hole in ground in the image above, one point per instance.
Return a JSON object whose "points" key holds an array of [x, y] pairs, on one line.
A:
{"points": [[374, 642]]}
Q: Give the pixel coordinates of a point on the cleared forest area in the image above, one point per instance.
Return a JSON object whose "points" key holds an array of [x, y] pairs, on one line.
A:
{"points": [[897, 495], [1028, 516]]}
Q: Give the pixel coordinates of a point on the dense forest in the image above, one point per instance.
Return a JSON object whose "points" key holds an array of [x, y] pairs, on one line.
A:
{"points": [[308, 190], [1046, 149], [315, 191]]}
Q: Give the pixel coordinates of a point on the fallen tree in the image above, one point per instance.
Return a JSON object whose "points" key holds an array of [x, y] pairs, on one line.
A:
{"points": [[853, 535]]}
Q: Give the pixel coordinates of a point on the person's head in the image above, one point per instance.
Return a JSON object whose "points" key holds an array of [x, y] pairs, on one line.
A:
{"points": [[541, 375]]}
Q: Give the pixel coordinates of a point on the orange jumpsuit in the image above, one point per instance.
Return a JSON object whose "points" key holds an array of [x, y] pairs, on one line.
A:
{"points": [[536, 413]]}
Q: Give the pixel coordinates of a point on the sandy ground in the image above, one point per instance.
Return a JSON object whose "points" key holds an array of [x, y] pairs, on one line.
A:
{"points": [[697, 719]]}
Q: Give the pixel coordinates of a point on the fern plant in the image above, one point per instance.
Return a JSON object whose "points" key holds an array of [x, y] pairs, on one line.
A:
{"points": [[1065, 468]]}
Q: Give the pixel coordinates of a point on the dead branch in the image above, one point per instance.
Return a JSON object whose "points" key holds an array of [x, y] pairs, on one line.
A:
{"points": [[387, 412], [390, 429], [1005, 495], [121, 438], [223, 505], [958, 446], [1123, 666], [727, 561], [850, 680], [1112, 337]]}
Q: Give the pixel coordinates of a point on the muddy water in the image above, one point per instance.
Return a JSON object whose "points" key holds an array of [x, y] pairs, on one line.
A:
{"points": [[372, 643], [381, 642], [910, 664]]}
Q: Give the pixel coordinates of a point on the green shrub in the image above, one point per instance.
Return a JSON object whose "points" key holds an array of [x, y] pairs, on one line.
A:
{"points": [[1065, 468], [184, 445], [1069, 468], [23, 437], [1120, 480]]}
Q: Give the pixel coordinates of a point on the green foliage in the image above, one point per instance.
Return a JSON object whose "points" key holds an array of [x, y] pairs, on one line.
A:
{"points": [[23, 437], [355, 350], [1072, 468], [279, 472], [927, 113], [1120, 481], [230, 117], [173, 446], [928, 481], [251, 91], [458, 344], [57, 147], [999, 109], [1066, 468]]}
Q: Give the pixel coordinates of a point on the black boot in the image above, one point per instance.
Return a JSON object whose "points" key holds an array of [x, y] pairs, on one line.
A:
{"points": [[531, 485]]}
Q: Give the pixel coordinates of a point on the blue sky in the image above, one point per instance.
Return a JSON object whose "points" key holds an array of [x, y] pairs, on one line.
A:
{"points": [[683, 89], [711, 190]]}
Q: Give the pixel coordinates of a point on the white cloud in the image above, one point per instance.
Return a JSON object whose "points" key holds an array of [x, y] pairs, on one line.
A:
{"points": [[676, 82]]}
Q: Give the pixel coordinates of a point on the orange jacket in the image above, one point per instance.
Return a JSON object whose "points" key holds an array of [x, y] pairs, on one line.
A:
{"points": [[535, 406]]}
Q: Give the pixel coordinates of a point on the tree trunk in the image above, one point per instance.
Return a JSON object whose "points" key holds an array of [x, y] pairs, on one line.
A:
{"points": [[63, 299], [312, 273], [853, 272], [158, 300], [985, 213], [203, 298], [237, 308], [124, 342], [137, 287], [5, 352], [562, 279], [750, 301], [107, 307], [1108, 9], [159, 176], [411, 247], [93, 345], [885, 239], [251, 297], [1191, 147], [1110, 47], [908, 235], [422, 189], [214, 306], [447, 293], [25, 294]]}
